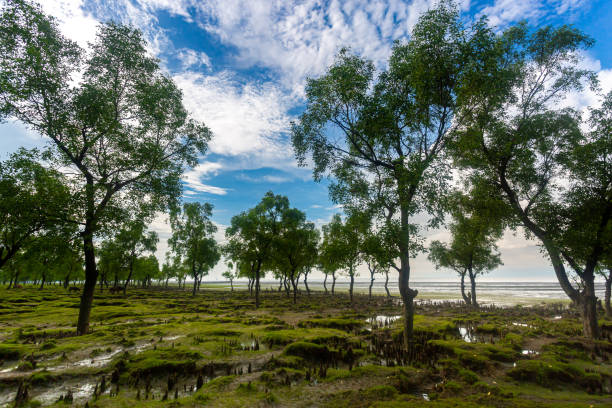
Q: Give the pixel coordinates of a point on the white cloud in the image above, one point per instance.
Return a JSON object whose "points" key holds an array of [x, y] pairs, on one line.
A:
{"points": [[300, 39], [503, 12], [247, 120], [264, 179], [192, 59], [74, 22], [193, 181]]}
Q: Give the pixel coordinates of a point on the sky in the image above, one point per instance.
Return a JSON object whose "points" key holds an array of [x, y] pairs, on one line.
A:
{"points": [[242, 66]]}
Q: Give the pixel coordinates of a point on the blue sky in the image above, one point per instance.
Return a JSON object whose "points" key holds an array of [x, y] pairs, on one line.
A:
{"points": [[242, 66]]}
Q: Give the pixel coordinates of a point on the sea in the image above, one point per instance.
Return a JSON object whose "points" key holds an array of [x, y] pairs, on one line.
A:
{"points": [[500, 293]]}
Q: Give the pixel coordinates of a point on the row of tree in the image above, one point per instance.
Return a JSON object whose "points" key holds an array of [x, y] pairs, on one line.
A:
{"points": [[457, 104], [484, 105]]}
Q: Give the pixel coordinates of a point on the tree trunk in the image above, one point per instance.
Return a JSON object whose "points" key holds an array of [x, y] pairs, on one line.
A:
{"points": [[257, 284], [44, 277], [589, 307], [325, 283], [333, 282], [607, 294], [387, 283], [306, 283], [294, 285], [372, 271], [406, 292], [467, 299], [232, 284], [473, 287], [66, 281], [91, 277], [352, 275], [195, 285], [127, 281]]}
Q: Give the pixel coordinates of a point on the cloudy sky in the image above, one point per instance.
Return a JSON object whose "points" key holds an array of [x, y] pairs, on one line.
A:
{"points": [[242, 65]]}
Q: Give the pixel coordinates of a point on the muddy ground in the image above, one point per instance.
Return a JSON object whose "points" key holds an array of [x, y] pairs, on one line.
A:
{"points": [[167, 348]]}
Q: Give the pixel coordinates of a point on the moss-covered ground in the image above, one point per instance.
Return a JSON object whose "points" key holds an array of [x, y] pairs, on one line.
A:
{"points": [[168, 348]]}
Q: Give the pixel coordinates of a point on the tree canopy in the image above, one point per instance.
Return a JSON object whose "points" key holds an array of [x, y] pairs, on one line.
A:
{"points": [[121, 127]]}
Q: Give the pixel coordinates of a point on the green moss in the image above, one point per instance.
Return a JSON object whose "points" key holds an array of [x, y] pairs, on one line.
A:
{"points": [[549, 372], [163, 361], [467, 376], [11, 351], [308, 351], [333, 323], [380, 392], [487, 328], [513, 340]]}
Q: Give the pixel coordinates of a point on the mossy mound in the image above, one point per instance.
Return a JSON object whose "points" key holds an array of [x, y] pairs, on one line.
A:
{"points": [[550, 373], [333, 323], [11, 351], [162, 361], [308, 351]]}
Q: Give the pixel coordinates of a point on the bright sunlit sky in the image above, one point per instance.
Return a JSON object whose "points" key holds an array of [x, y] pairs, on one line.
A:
{"points": [[242, 67]]}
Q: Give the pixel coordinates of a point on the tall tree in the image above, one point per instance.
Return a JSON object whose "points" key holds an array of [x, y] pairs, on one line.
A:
{"points": [[252, 235], [344, 244], [192, 239], [392, 129], [230, 275], [377, 256], [553, 176], [133, 241], [477, 223], [122, 129], [295, 248]]}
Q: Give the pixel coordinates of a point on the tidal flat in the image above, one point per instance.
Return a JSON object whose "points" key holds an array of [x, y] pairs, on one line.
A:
{"points": [[168, 348]]}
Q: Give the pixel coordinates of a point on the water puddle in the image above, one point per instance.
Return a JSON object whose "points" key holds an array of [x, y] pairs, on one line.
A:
{"points": [[103, 360], [381, 321], [467, 334], [9, 368]]}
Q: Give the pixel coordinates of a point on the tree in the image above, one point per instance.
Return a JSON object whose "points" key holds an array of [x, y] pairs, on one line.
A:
{"points": [[122, 129], [376, 256], [32, 198], [133, 240], [252, 235], [192, 239], [515, 135], [111, 262], [329, 258], [146, 269], [229, 275], [343, 244], [295, 248], [477, 224], [393, 130], [71, 262]]}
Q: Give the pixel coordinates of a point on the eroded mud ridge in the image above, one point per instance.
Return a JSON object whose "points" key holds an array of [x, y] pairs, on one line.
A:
{"points": [[156, 348]]}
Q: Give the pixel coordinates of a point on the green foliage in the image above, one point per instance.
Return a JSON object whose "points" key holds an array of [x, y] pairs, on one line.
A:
{"points": [[34, 200], [122, 128], [192, 239], [548, 172]]}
